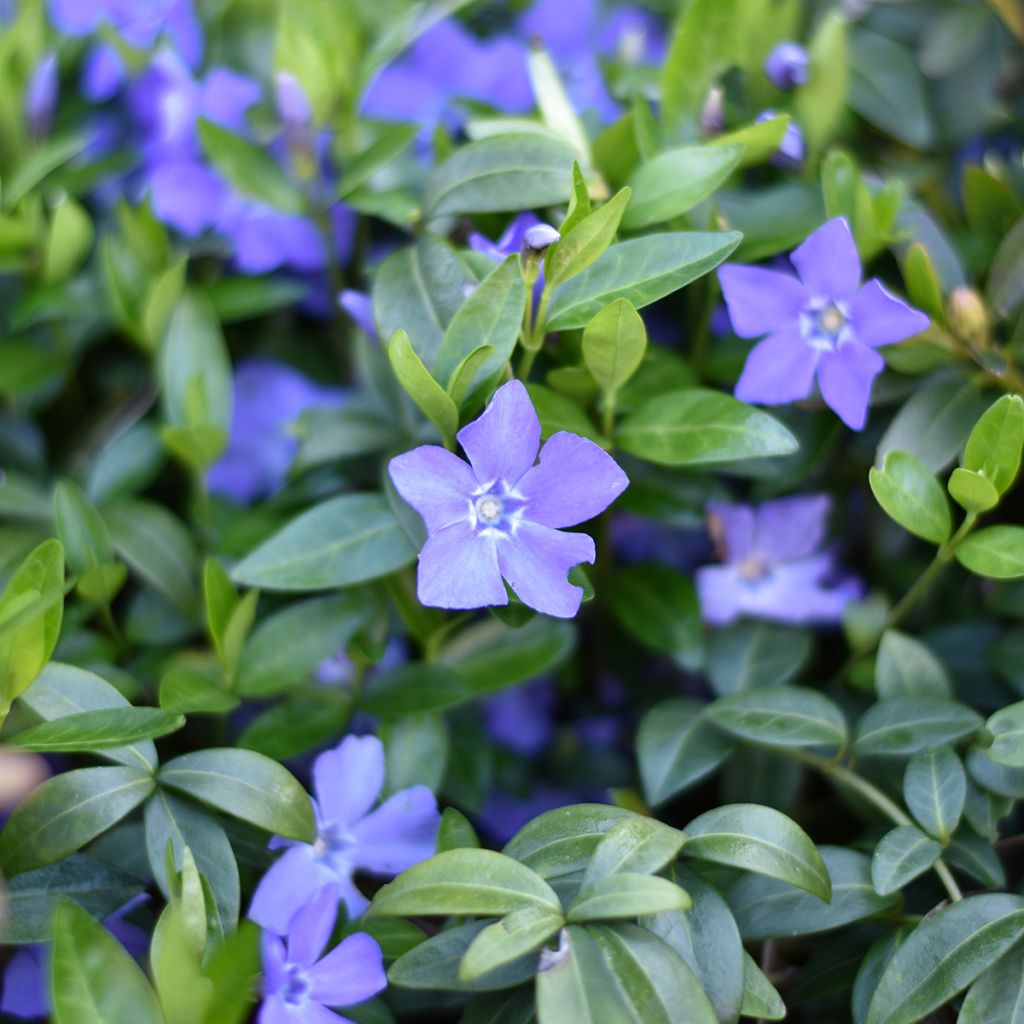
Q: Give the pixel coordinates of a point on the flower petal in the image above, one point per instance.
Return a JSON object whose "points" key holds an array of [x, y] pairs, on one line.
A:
{"points": [[732, 528], [276, 1011], [399, 834], [290, 882], [878, 318], [502, 441], [25, 984], [351, 973], [274, 960], [459, 569], [575, 481], [311, 926], [436, 483], [795, 592], [720, 592], [761, 300], [791, 528], [827, 262], [348, 779], [187, 195], [536, 562], [778, 370], [845, 378]]}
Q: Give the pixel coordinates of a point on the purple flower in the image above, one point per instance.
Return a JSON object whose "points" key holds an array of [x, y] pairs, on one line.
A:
{"points": [[773, 568], [350, 836], [268, 397], [821, 324], [791, 149], [786, 65], [521, 718], [359, 307], [299, 983], [41, 96], [501, 515]]}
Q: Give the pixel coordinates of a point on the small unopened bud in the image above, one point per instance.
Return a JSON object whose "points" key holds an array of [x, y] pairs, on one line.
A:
{"points": [[968, 317], [536, 241], [41, 96], [786, 65], [297, 118], [712, 114]]}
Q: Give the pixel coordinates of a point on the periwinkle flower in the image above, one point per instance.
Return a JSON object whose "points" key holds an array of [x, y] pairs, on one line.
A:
{"points": [[786, 65], [300, 981], [773, 568], [539, 238], [521, 718], [821, 324], [41, 96], [351, 837], [359, 307], [501, 515], [268, 397]]}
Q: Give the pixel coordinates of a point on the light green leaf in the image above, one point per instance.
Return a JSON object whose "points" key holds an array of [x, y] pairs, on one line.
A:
{"points": [[101, 729], [784, 716], [68, 242], [584, 240], [757, 142], [820, 103], [626, 895], [934, 789], [972, 491], [900, 856], [996, 552], [614, 343], [556, 108], [516, 934], [911, 495], [392, 140], [432, 400], [245, 785], [573, 984], [636, 845]]}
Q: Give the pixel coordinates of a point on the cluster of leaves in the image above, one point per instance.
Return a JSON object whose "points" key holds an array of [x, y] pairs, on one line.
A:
{"points": [[137, 606]]}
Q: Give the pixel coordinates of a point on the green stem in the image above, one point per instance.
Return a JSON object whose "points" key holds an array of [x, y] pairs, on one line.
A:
{"points": [[608, 418], [526, 363], [874, 796]]}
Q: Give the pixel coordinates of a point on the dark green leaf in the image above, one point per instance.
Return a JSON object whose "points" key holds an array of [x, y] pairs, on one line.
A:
{"points": [[900, 856], [911, 495], [521, 932], [898, 726], [760, 998], [934, 789], [997, 997], [417, 686], [907, 668], [755, 654], [1007, 728], [785, 716]]}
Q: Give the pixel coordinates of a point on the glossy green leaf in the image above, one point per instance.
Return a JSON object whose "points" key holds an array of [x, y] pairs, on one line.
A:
{"points": [[785, 716], [911, 495], [573, 984], [642, 270], [338, 543], [901, 856], [934, 789], [997, 997], [677, 180], [760, 998], [905, 667], [755, 654], [465, 882], [971, 491], [996, 552], [996, 778], [521, 932], [93, 979], [626, 895], [613, 345], [898, 726], [101, 729], [697, 427], [636, 845], [245, 785], [63, 813], [677, 748], [505, 172], [1007, 728], [584, 240], [432, 400], [923, 286], [944, 954]]}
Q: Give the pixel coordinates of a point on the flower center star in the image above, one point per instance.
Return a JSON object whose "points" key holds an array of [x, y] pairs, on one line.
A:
{"points": [[497, 508], [825, 324], [753, 569], [296, 987]]}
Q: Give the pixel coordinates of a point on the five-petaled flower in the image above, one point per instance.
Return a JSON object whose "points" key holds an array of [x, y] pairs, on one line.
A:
{"points": [[822, 323], [350, 837], [501, 515], [773, 568], [299, 983]]}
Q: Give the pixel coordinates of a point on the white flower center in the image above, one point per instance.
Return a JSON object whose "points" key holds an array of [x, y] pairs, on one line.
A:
{"points": [[825, 324], [753, 568], [489, 509]]}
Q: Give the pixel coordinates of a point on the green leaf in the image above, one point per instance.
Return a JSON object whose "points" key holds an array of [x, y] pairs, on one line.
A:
{"points": [[755, 654], [994, 446], [757, 142], [1007, 728], [1005, 290], [785, 716], [626, 895], [93, 979], [68, 242], [944, 954], [677, 748], [1000, 779], [820, 102], [81, 529], [614, 343], [996, 552], [676, 181], [391, 141], [187, 826], [432, 400], [98, 730], [96, 886], [765, 908], [971, 491], [697, 427], [997, 997], [922, 282], [976, 858], [760, 998], [434, 964], [492, 316], [516, 934], [338, 543], [911, 495], [900, 856], [479, 882], [34, 598], [905, 667], [245, 785], [641, 270], [557, 412], [416, 749], [556, 108], [574, 984], [504, 172], [417, 686], [762, 840], [249, 167], [63, 813], [634, 845], [585, 239], [456, 832], [934, 789], [899, 726]]}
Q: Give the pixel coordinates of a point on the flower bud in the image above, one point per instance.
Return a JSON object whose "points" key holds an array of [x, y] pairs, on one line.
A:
{"points": [[712, 114], [41, 96], [968, 317], [786, 65], [536, 241]]}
